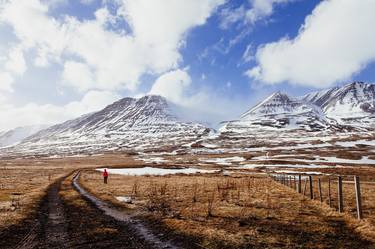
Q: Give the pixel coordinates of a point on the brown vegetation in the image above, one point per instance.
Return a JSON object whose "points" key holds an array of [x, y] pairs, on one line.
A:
{"points": [[238, 212]]}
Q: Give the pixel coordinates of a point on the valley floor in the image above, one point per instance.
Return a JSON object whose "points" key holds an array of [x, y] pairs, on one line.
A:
{"points": [[233, 203]]}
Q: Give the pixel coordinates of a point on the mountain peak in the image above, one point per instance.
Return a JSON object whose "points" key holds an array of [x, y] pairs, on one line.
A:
{"points": [[127, 123], [352, 104], [272, 103]]}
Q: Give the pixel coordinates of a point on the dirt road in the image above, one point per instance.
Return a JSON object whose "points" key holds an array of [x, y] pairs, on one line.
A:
{"points": [[70, 217], [60, 224]]}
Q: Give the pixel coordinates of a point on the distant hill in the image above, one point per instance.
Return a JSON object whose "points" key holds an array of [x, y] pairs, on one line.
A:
{"points": [[15, 136]]}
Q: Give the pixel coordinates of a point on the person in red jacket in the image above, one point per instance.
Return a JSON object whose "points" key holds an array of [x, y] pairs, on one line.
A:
{"points": [[105, 176]]}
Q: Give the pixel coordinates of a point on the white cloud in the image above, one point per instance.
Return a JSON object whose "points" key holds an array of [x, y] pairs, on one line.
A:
{"points": [[245, 17], [249, 15], [262, 8], [6, 81], [78, 74], [230, 16], [248, 54], [92, 101], [335, 42], [87, 2], [34, 114], [16, 61], [194, 103], [117, 58], [172, 86], [99, 54]]}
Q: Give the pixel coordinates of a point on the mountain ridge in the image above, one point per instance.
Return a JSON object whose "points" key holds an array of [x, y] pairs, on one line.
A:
{"points": [[18, 134], [128, 123], [320, 110]]}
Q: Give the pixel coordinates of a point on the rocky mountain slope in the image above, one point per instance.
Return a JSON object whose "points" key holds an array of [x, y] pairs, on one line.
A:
{"points": [[16, 135], [280, 111], [124, 125], [351, 106]]}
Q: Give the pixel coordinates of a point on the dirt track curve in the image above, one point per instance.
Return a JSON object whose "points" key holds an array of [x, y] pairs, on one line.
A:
{"points": [[63, 225]]}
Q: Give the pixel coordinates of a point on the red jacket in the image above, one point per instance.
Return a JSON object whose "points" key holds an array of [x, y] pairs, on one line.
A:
{"points": [[105, 173]]}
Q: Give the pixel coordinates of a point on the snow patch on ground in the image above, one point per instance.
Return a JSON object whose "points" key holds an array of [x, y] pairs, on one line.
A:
{"points": [[298, 172], [247, 166], [363, 160], [253, 166], [157, 160], [126, 199], [224, 160], [354, 143], [156, 171]]}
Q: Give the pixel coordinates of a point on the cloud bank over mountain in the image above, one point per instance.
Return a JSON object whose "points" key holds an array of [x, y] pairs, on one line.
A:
{"points": [[333, 44]]}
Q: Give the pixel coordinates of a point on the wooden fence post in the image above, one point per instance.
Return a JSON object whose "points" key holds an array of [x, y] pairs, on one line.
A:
{"points": [[299, 183], [329, 192], [305, 186], [286, 180], [358, 197], [294, 183], [340, 196], [311, 188], [320, 190]]}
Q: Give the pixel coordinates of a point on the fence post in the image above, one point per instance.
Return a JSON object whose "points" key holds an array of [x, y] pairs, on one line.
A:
{"points": [[305, 186], [286, 180], [294, 183], [311, 188], [320, 190], [358, 197], [299, 183], [340, 196], [329, 192]]}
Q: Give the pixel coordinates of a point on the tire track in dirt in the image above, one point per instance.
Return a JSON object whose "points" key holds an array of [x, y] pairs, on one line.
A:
{"points": [[56, 235], [50, 229], [140, 229]]}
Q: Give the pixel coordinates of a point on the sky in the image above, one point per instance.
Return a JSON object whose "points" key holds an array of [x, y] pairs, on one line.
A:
{"points": [[60, 59]]}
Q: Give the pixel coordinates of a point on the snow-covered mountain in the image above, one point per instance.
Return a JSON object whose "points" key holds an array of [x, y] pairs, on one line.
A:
{"points": [[352, 104], [16, 135], [280, 111], [350, 107], [126, 124]]}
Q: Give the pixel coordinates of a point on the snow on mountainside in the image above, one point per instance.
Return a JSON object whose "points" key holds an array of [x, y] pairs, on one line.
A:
{"points": [[280, 111], [352, 104], [126, 124], [16, 135], [350, 107]]}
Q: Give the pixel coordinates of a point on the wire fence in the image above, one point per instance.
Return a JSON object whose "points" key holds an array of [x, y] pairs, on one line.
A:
{"points": [[350, 194]]}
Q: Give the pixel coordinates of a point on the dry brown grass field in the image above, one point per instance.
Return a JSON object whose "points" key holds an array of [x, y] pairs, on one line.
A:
{"points": [[23, 181], [237, 212], [242, 209]]}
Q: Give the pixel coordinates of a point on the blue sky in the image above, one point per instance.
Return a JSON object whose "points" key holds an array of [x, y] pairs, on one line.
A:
{"points": [[62, 58]]}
